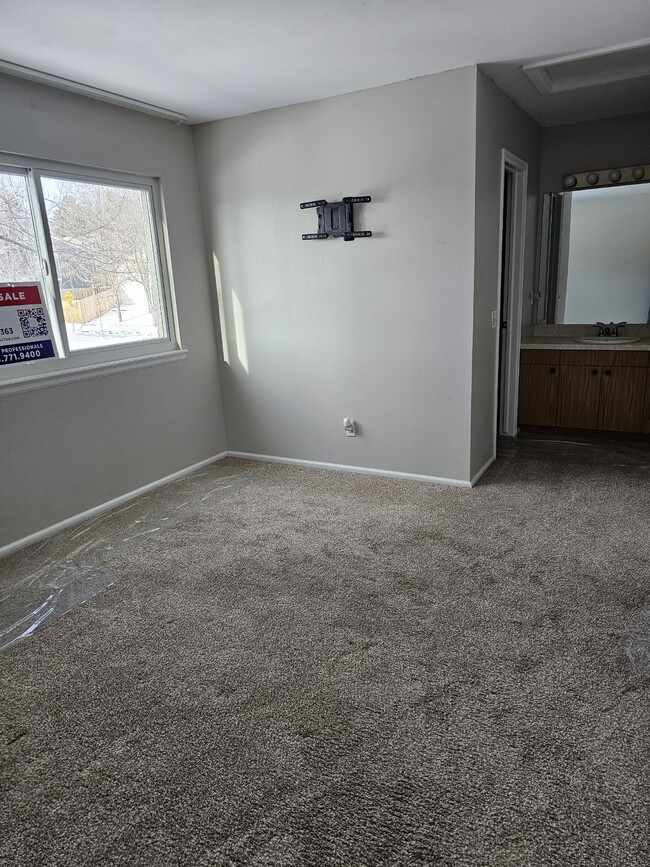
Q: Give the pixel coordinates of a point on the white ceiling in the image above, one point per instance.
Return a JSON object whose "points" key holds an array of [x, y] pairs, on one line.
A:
{"points": [[589, 101], [217, 58]]}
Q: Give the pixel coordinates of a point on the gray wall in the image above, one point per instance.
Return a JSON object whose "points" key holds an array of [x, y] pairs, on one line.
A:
{"points": [[377, 329], [499, 124], [599, 144], [70, 447]]}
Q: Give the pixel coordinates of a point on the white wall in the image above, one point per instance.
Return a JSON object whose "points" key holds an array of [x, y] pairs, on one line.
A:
{"points": [[70, 447], [377, 329], [500, 124]]}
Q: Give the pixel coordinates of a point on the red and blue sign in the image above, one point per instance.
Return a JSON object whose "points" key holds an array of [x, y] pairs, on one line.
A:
{"points": [[25, 331]]}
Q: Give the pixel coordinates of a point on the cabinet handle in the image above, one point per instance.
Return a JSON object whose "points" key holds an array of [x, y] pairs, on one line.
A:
{"points": [[594, 372], [551, 370], [608, 371]]}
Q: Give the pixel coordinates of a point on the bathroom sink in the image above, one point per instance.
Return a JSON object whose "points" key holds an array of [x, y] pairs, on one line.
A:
{"points": [[607, 339]]}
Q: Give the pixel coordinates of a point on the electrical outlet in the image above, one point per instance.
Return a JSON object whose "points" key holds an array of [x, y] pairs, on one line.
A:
{"points": [[495, 319], [350, 427]]}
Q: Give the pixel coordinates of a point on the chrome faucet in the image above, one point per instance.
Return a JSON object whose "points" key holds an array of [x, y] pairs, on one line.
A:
{"points": [[610, 330]]}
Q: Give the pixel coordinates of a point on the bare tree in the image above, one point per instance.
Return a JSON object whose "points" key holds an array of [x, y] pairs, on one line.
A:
{"points": [[101, 237], [19, 260]]}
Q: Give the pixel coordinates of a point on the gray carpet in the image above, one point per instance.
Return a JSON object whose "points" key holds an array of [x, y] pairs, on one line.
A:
{"points": [[298, 667]]}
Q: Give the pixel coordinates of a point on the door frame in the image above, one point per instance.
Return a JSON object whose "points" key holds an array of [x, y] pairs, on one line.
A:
{"points": [[506, 404]]}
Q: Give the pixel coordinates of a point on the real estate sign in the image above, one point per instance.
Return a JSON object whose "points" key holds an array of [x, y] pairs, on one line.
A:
{"points": [[25, 330]]}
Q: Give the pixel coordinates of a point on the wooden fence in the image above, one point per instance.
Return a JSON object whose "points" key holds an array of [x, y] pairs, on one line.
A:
{"points": [[85, 309]]}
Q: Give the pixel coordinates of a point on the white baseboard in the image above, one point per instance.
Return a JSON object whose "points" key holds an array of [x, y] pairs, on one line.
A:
{"points": [[118, 501], [103, 507], [485, 466], [345, 468]]}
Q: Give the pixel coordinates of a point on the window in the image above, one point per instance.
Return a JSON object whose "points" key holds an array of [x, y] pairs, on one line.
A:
{"points": [[92, 240]]}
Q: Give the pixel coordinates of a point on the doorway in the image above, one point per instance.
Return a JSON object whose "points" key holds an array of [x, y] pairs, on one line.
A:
{"points": [[514, 183]]}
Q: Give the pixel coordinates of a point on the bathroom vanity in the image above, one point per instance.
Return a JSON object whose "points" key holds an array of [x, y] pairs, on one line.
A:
{"points": [[575, 370], [566, 385]]}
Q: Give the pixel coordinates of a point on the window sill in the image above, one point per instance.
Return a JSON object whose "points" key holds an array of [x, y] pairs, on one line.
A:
{"points": [[89, 371]]}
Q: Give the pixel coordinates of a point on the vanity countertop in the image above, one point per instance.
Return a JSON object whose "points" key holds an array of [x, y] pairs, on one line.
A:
{"points": [[557, 342]]}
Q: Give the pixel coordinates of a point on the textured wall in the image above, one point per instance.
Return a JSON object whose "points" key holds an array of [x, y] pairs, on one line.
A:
{"points": [[378, 329], [67, 448]]}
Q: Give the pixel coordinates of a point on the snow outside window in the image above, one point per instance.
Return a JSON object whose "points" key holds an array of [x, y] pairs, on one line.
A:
{"points": [[93, 241]]}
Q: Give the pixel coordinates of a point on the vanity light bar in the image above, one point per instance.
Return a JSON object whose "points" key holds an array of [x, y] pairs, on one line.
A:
{"points": [[607, 178]]}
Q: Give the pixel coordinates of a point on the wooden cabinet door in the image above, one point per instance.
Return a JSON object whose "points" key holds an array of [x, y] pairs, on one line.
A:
{"points": [[538, 393], [621, 398], [645, 422], [579, 396]]}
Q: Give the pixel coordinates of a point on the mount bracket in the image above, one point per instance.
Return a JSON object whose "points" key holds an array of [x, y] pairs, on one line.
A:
{"points": [[336, 219]]}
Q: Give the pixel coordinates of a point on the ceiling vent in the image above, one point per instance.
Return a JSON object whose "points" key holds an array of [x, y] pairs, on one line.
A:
{"points": [[590, 68]]}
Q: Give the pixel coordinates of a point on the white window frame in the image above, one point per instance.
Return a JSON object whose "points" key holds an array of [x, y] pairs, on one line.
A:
{"points": [[94, 361]]}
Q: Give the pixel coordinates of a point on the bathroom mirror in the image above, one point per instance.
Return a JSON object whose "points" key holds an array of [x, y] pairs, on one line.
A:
{"points": [[596, 255]]}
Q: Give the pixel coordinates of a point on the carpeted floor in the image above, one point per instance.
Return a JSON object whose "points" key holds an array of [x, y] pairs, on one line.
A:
{"points": [[298, 667]]}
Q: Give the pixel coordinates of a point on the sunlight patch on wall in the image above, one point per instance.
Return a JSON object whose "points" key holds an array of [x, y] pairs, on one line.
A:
{"points": [[222, 312], [240, 334]]}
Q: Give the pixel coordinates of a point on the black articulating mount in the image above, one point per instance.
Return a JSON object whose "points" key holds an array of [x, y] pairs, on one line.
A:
{"points": [[336, 219]]}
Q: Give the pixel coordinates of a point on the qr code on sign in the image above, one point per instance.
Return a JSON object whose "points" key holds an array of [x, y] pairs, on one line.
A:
{"points": [[33, 322]]}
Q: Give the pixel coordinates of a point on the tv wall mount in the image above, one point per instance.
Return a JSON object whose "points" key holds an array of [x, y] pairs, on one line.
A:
{"points": [[336, 219]]}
